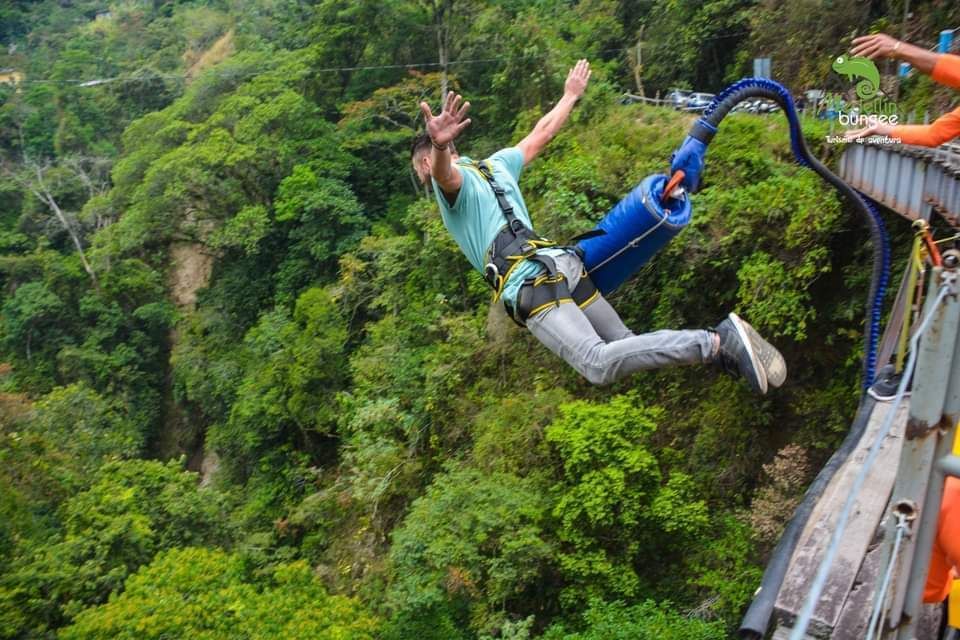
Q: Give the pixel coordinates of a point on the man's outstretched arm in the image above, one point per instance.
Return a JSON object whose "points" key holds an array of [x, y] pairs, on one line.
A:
{"points": [[879, 45], [550, 124]]}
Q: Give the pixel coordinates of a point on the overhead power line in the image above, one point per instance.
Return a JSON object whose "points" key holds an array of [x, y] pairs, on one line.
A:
{"points": [[93, 82]]}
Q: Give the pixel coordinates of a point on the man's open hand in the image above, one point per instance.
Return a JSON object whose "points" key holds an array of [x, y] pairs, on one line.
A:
{"points": [[577, 79], [446, 126], [879, 129], [874, 46]]}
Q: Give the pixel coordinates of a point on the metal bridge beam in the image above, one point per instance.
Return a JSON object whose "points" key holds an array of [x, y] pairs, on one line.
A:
{"points": [[913, 181]]}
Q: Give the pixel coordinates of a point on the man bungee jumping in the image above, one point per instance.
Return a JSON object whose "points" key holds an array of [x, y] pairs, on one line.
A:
{"points": [[545, 287]]}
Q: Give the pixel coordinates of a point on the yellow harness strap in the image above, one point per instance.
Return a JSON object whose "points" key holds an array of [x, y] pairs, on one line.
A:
{"points": [[953, 609], [953, 604]]}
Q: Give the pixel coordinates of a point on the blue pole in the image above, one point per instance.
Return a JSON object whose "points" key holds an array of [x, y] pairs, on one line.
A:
{"points": [[946, 41]]}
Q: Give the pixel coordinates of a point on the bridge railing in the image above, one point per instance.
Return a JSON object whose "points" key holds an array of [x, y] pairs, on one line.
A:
{"points": [[913, 181]]}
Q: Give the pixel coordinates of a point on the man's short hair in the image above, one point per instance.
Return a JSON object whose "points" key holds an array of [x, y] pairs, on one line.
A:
{"points": [[421, 142]]}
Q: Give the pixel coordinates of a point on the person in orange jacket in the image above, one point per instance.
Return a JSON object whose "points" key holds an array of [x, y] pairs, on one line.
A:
{"points": [[945, 69], [945, 559], [942, 67]]}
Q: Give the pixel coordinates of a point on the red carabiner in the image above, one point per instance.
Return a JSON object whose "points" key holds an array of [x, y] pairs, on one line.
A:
{"points": [[932, 248], [672, 184]]}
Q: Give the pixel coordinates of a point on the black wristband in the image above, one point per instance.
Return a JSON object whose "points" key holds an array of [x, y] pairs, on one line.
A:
{"points": [[438, 146]]}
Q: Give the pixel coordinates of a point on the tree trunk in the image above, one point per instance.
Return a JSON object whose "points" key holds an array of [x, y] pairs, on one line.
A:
{"points": [[44, 195], [638, 69], [442, 10], [443, 52]]}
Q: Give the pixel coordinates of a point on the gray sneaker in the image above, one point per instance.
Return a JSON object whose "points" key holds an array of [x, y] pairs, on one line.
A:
{"points": [[744, 352]]}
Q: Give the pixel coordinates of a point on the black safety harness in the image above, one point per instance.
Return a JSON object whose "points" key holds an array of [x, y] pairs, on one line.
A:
{"points": [[516, 242]]}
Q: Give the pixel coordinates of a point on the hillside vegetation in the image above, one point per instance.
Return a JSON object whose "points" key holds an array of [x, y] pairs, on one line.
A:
{"points": [[251, 389]]}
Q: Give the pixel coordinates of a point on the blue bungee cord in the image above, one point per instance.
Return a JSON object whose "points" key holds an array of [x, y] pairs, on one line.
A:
{"points": [[689, 158]]}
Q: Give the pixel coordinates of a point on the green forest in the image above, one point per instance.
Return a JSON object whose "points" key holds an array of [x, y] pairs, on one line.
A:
{"points": [[251, 389]]}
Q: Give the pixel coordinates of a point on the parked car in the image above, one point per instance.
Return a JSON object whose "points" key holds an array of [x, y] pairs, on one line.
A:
{"points": [[769, 106], [756, 106], [699, 101], [677, 98]]}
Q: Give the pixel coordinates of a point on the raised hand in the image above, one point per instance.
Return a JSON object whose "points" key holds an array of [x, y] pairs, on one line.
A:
{"points": [[875, 46], [448, 124], [577, 79]]}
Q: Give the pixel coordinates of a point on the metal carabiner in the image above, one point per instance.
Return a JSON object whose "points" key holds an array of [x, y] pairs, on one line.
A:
{"points": [[491, 274]]}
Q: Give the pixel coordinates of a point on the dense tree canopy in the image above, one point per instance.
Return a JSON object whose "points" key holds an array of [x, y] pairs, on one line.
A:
{"points": [[250, 388]]}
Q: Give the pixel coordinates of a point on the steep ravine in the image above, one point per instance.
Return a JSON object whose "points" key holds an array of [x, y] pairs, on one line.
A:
{"points": [[181, 433]]}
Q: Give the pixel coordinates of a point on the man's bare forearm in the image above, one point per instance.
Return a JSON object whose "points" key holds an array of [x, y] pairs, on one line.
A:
{"points": [[922, 59], [553, 121], [440, 164], [443, 171], [550, 124]]}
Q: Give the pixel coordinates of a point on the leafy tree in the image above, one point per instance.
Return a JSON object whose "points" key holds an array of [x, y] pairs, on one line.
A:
{"points": [[471, 551], [80, 423], [31, 329], [195, 592], [616, 514], [727, 567], [540, 44], [287, 392], [509, 433], [700, 39], [324, 220], [208, 365], [778, 28], [131, 510], [243, 140], [645, 621]]}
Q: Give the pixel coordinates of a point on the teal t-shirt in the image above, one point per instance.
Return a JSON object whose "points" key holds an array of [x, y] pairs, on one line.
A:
{"points": [[475, 218]]}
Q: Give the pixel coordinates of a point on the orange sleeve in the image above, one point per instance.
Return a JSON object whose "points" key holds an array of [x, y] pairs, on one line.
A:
{"points": [[947, 70], [944, 128], [946, 546]]}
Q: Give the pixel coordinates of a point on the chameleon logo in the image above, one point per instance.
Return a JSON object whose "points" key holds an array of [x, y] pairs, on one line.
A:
{"points": [[861, 68]]}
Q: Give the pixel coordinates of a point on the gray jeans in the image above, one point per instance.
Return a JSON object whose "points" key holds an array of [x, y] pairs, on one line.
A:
{"points": [[596, 343]]}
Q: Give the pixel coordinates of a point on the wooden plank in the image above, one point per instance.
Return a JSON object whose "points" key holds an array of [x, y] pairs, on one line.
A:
{"points": [[783, 633], [866, 515], [859, 605]]}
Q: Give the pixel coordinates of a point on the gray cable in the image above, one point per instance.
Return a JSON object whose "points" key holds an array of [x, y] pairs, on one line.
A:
{"points": [[876, 613]]}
